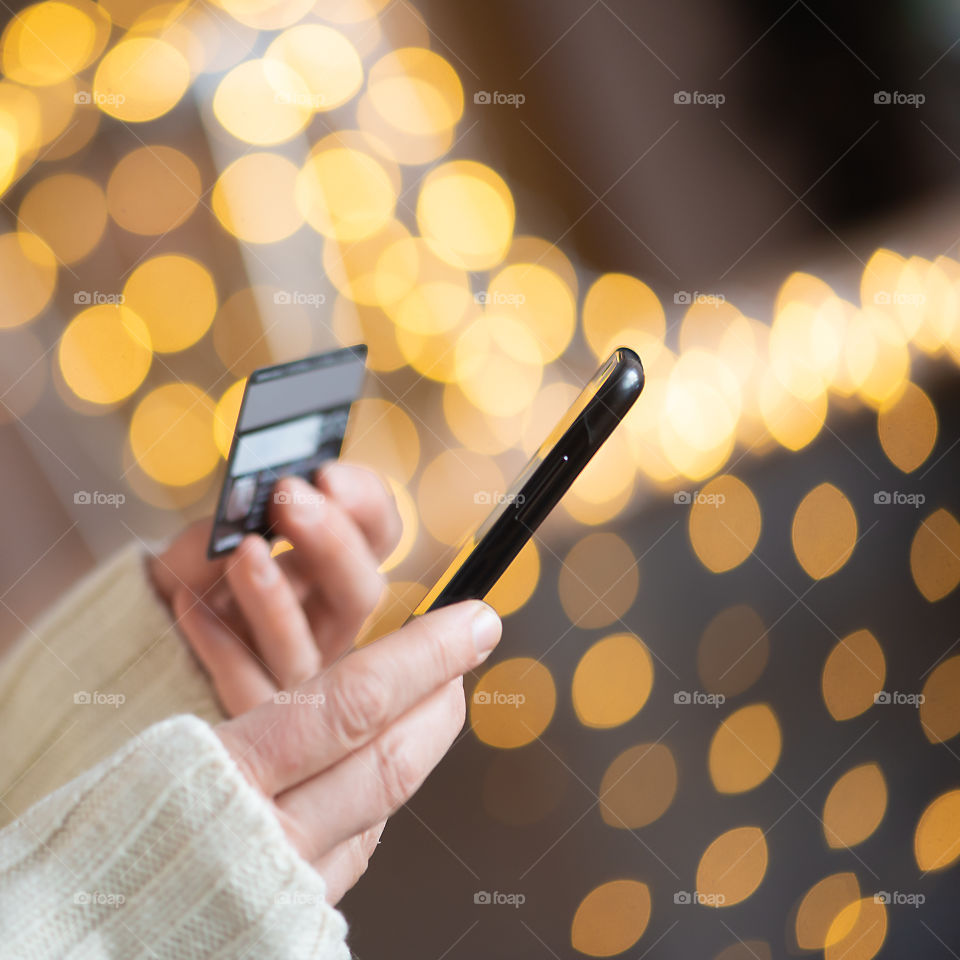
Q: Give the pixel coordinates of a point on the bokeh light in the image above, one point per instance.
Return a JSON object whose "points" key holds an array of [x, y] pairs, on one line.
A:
{"points": [[855, 806], [140, 79], [28, 276], [171, 434], [465, 213], [853, 674], [724, 523], [612, 681], [936, 843], [638, 786], [69, 212], [733, 651], [935, 555], [254, 198], [598, 581], [611, 918], [824, 531], [940, 707], [732, 867], [176, 298], [513, 703], [745, 749], [105, 353], [814, 927], [153, 190]]}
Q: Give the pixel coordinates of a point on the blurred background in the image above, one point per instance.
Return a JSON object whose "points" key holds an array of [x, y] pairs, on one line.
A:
{"points": [[723, 718]]}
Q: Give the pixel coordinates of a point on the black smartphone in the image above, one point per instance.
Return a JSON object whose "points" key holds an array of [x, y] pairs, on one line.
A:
{"points": [[488, 551]]}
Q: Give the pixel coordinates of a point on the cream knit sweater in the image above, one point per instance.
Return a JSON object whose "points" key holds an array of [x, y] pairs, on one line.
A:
{"points": [[161, 848]]}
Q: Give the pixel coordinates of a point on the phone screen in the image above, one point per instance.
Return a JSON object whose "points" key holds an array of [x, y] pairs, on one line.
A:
{"points": [[541, 483]]}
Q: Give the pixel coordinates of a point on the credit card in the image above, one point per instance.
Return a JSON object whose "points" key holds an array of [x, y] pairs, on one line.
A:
{"points": [[293, 417]]}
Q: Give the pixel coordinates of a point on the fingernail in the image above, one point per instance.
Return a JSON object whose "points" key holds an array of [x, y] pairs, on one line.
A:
{"points": [[338, 482], [486, 630]]}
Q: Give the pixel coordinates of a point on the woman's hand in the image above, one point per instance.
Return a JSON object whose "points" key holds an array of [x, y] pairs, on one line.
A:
{"points": [[353, 744], [260, 624]]}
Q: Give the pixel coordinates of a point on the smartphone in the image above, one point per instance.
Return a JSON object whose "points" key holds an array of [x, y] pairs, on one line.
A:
{"points": [[487, 552], [293, 417]]}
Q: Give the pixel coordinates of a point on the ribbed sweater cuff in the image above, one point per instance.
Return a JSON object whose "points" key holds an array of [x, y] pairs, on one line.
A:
{"points": [[163, 850]]}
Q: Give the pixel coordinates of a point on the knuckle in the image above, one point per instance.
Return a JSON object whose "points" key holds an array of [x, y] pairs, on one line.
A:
{"points": [[360, 700], [439, 648], [398, 773]]}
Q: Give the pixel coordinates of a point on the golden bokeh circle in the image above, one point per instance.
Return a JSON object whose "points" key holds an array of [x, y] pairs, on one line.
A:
{"points": [[855, 806], [724, 523], [512, 703], [153, 190], [171, 434], [598, 581], [638, 786], [611, 918], [68, 211], [105, 353], [824, 531], [935, 555], [612, 681], [733, 651], [853, 675], [28, 277], [254, 198], [940, 707], [745, 749], [936, 842], [176, 298], [732, 867]]}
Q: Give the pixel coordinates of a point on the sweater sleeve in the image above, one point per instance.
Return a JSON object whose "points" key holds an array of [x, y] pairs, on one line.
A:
{"points": [[105, 662], [163, 850]]}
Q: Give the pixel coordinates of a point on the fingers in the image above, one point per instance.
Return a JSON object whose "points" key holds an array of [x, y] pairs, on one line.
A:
{"points": [[238, 679], [331, 553], [336, 713], [273, 613], [343, 866], [372, 783], [184, 563], [367, 501]]}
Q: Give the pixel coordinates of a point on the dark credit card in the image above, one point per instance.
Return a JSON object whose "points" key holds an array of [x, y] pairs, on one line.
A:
{"points": [[293, 417]]}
